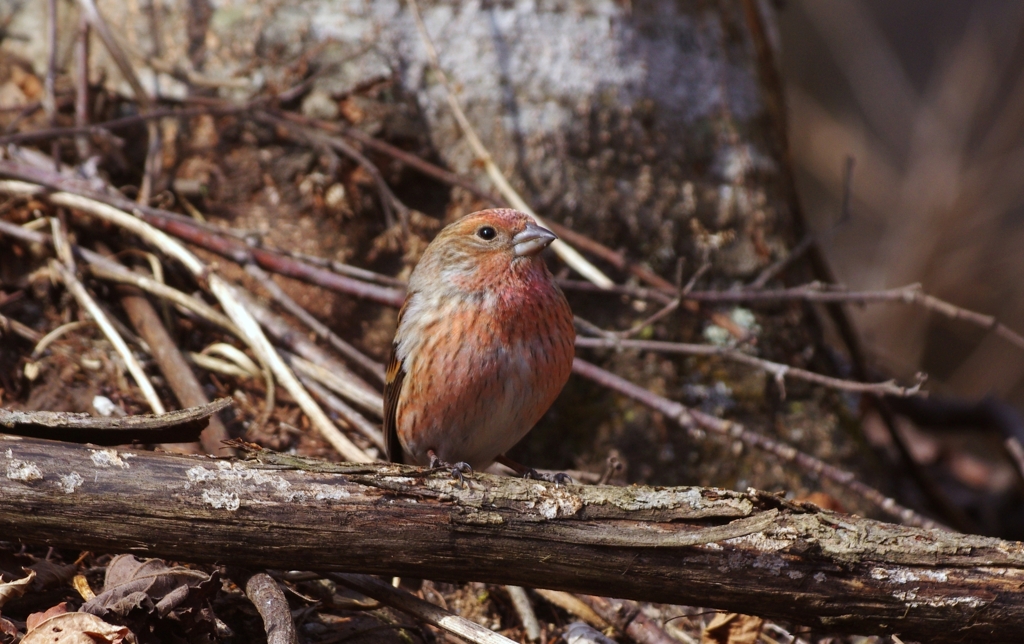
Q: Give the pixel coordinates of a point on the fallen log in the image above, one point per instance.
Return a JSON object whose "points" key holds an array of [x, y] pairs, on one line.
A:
{"points": [[750, 552]]}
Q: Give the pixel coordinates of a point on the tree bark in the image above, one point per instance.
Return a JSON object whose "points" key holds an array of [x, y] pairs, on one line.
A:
{"points": [[755, 553]]}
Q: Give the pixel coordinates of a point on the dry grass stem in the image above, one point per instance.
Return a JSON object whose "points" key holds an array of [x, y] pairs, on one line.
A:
{"points": [[86, 302]]}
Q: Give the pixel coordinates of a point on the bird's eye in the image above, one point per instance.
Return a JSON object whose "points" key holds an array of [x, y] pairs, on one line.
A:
{"points": [[486, 232]]}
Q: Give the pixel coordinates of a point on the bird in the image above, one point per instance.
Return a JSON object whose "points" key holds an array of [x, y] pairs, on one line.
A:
{"points": [[484, 345]]}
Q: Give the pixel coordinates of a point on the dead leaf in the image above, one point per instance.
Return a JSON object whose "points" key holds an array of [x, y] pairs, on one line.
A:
{"points": [[150, 585], [150, 596], [51, 575], [81, 584], [732, 628], [28, 83], [77, 628], [35, 619], [8, 631], [14, 589]]}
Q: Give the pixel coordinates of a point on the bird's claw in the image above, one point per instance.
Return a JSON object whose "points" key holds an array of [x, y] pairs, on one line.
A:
{"points": [[558, 478], [458, 469]]}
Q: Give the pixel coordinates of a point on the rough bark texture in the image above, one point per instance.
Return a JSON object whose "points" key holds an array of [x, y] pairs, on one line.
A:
{"points": [[703, 546]]}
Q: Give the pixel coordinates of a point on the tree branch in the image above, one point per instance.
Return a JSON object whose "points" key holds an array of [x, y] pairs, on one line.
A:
{"points": [[752, 552]]}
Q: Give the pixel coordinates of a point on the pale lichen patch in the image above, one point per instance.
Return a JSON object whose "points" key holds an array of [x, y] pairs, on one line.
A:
{"points": [[68, 483], [227, 472], [199, 474], [317, 491], [222, 500], [773, 565], [557, 502], [767, 542], [109, 458], [969, 600], [329, 492], [655, 499], [914, 599], [229, 482], [23, 471], [902, 575]]}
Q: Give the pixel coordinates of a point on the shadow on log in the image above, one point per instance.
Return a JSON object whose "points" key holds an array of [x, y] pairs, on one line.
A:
{"points": [[754, 553]]}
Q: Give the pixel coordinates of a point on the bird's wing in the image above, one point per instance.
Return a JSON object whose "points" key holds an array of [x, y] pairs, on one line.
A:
{"points": [[393, 378]]}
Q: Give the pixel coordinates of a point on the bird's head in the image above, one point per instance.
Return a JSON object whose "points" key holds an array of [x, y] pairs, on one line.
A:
{"points": [[483, 249]]}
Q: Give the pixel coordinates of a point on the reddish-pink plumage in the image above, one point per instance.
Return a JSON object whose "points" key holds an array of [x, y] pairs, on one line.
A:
{"points": [[484, 343]]}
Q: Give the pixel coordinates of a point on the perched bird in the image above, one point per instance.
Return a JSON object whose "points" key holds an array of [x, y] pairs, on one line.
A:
{"points": [[484, 345]]}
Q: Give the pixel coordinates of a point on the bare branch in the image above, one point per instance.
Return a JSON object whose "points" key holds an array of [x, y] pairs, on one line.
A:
{"points": [[692, 419], [778, 370], [420, 609], [817, 292]]}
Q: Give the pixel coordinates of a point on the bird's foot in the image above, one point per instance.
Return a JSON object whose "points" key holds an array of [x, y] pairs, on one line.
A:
{"points": [[558, 478], [458, 470]]}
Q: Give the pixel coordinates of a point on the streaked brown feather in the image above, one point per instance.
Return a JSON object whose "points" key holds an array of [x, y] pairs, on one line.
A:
{"points": [[393, 379]]}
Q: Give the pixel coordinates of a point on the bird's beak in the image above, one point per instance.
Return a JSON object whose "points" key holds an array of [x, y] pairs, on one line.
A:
{"points": [[532, 240]]}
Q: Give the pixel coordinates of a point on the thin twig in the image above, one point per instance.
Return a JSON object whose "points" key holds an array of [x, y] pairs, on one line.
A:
{"points": [[86, 302], [1016, 451], [817, 292], [422, 610], [222, 241], [92, 13], [389, 202], [778, 370], [643, 324], [10, 325], [49, 92], [521, 602], [573, 604], [342, 268], [172, 364], [153, 156], [356, 393], [370, 431], [691, 419], [106, 271], [224, 293], [337, 377], [82, 86], [105, 127], [567, 253], [304, 316], [44, 343], [628, 618], [264, 593], [103, 268]]}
